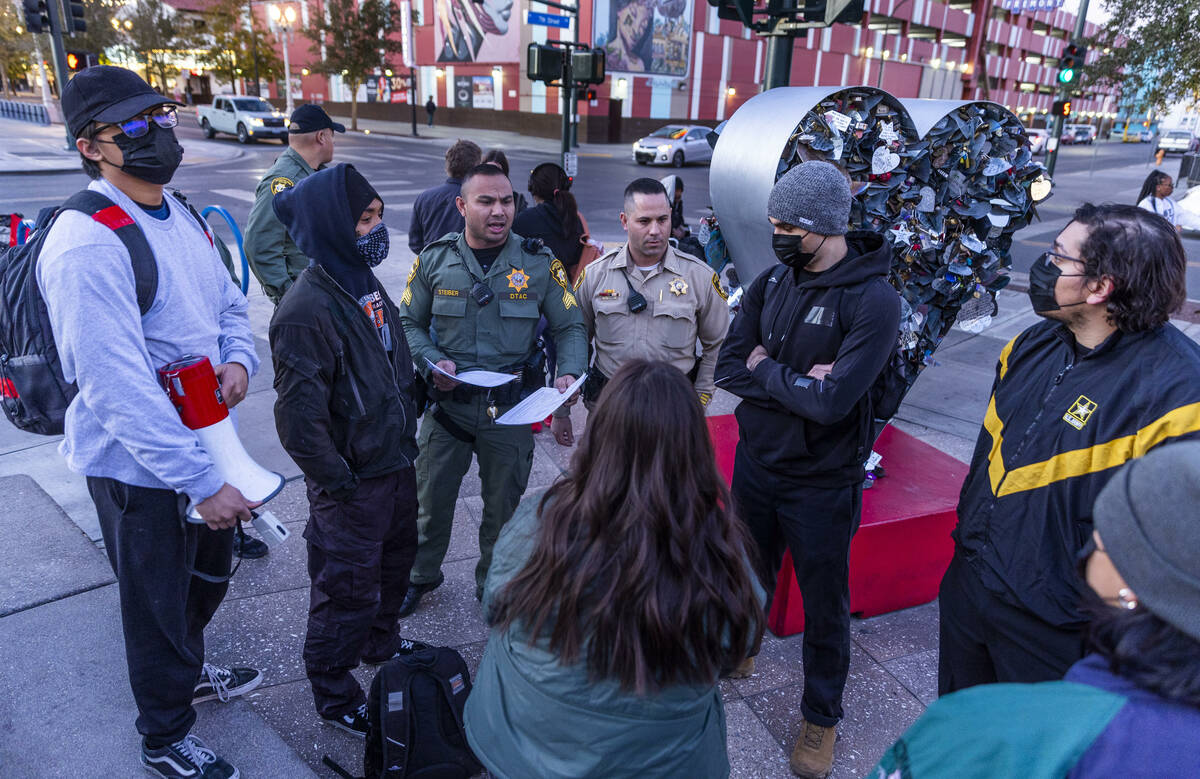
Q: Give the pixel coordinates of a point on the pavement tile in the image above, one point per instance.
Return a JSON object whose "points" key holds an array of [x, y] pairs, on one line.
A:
{"points": [[284, 568], [918, 672], [980, 351], [899, 633], [878, 709], [450, 615], [47, 560], [780, 662], [753, 753], [265, 632], [288, 709]]}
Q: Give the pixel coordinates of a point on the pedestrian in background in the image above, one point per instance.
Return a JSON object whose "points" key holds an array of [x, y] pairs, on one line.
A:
{"points": [[430, 107], [1156, 197], [434, 212], [345, 413], [1132, 706], [1110, 378], [482, 291], [122, 432], [500, 160], [273, 255], [555, 217], [616, 601], [813, 334]]}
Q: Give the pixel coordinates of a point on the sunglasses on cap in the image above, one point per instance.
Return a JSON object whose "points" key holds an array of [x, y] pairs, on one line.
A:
{"points": [[164, 116]]}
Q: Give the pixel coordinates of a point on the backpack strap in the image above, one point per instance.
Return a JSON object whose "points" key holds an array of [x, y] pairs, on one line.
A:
{"points": [[401, 717], [195, 215], [141, 256]]}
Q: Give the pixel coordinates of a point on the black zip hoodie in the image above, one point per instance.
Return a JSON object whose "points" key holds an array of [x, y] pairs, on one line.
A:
{"points": [[809, 431]]}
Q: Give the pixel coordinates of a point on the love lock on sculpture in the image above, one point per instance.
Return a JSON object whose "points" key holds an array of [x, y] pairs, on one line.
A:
{"points": [[947, 182]]}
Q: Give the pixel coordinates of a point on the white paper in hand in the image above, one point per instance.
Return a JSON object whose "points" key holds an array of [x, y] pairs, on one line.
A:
{"points": [[539, 405], [476, 378]]}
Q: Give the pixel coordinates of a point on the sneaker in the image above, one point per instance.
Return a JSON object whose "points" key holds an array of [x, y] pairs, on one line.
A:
{"points": [[415, 591], [218, 683], [248, 547], [353, 722], [812, 758], [186, 759], [403, 646]]}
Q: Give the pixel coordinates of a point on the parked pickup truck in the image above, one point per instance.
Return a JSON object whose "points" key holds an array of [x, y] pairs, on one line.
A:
{"points": [[249, 118]]}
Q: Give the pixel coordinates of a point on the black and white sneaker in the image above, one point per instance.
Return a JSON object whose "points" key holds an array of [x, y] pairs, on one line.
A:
{"points": [[187, 759], [403, 646], [353, 722], [217, 683]]}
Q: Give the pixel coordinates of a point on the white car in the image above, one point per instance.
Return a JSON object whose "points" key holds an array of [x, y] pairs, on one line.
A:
{"points": [[249, 118], [1037, 140], [1175, 140], [675, 144]]}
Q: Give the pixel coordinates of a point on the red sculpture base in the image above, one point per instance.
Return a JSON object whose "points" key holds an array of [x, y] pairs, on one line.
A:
{"points": [[903, 543]]}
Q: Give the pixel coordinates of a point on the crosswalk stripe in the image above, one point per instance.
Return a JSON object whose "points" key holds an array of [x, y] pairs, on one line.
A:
{"points": [[236, 194]]}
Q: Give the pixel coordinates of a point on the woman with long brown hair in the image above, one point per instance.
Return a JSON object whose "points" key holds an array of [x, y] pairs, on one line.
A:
{"points": [[617, 600]]}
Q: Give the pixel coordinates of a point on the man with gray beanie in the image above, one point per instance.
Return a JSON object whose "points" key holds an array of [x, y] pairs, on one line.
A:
{"points": [[813, 334]]}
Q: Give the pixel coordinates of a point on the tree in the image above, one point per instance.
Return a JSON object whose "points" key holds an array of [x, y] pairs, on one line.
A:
{"points": [[101, 35], [15, 48], [357, 39], [229, 45], [1153, 52], [153, 36]]}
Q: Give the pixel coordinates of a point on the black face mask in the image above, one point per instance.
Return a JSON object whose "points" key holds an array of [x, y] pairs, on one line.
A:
{"points": [[1043, 277], [788, 251], [154, 157]]}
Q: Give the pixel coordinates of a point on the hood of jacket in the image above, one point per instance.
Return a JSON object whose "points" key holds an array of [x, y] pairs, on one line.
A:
{"points": [[867, 255], [316, 214]]}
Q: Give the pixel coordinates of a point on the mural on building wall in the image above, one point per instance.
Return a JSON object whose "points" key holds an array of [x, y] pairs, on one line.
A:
{"points": [[468, 31], [645, 36]]}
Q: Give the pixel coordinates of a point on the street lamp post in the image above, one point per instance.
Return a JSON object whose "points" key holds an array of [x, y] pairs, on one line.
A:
{"points": [[284, 17]]}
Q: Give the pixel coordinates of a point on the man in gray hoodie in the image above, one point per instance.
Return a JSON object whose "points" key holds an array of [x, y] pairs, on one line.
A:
{"points": [[122, 432]]}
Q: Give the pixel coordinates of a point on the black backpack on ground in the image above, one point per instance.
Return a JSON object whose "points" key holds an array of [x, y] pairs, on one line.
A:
{"points": [[415, 718], [33, 392]]}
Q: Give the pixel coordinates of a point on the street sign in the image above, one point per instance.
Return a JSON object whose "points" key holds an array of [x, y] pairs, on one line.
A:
{"points": [[548, 20], [1031, 5], [571, 163]]}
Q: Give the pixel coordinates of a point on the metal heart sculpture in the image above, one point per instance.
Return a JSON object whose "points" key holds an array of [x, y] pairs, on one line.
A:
{"points": [[946, 182]]}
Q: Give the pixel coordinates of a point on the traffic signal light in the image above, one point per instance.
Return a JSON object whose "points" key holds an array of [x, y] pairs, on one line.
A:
{"points": [[587, 66], [590, 95], [78, 60], [735, 10], [73, 21], [544, 63], [1062, 108], [1071, 62], [36, 18]]}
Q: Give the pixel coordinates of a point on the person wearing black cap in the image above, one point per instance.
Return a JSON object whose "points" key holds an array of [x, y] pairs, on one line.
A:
{"points": [[1132, 706], [271, 252], [345, 413], [122, 432]]}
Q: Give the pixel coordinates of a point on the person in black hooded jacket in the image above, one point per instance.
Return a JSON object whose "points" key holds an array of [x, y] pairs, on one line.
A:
{"points": [[811, 338], [345, 413]]}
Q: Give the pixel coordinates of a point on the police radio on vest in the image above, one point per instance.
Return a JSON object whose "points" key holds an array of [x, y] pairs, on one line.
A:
{"points": [[192, 386]]}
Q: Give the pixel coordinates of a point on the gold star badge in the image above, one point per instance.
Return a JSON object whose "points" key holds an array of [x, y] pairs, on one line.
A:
{"points": [[518, 279], [678, 286]]}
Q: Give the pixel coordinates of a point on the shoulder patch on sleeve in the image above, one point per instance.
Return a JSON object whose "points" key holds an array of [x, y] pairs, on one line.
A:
{"points": [[406, 298], [579, 279], [560, 275], [716, 282], [280, 183]]}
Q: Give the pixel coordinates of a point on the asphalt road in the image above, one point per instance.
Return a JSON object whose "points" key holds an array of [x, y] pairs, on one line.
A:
{"points": [[401, 167]]}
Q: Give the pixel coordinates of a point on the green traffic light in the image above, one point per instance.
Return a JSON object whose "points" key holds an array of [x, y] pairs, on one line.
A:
{"points": [[1066, 75]]}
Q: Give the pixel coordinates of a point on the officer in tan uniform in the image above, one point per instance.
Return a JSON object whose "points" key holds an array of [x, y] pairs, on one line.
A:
{"points": [[648, 300]]}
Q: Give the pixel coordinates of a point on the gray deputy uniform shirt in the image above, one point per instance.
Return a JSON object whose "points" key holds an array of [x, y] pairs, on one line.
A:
{"points": [[684, 303], [274, 258]]}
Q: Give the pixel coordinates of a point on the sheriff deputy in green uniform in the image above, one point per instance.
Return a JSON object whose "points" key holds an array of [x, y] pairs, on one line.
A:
{"points": [[273, 256], [483, 291]]}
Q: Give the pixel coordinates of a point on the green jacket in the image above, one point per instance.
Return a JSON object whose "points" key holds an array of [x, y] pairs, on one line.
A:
{"points": [[274, 258], [503, 333]]}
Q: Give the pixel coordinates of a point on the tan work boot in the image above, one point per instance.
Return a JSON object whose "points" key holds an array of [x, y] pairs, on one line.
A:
{"points": [[812, 758], [744, 670]]}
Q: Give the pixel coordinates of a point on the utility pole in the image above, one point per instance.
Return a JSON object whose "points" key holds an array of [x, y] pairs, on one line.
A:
{"points": [[780, 44], [1064, 91], [254, 48], [60, 59], [412, 97]]}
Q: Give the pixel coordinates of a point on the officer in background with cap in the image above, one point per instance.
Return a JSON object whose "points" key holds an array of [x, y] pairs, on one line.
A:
{"points": [[273, 256], [813, 334]]}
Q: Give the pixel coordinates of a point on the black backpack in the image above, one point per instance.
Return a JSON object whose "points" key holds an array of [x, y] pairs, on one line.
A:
{"points": [[33, 392], [415, 718]]}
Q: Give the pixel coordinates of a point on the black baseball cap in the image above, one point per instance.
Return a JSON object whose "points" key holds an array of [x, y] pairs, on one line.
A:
{"points": [[107, 94], [309, 118]]}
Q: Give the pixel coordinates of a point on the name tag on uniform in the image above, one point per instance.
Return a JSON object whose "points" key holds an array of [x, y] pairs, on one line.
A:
{"points": [[608, 294], [448, 292]]}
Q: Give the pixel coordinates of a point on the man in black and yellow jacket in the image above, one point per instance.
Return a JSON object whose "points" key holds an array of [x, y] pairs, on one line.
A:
{"points": [[1103, 380]]}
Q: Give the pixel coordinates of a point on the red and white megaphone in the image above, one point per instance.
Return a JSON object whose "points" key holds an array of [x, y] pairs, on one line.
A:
{"points": [[192, 386]]}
